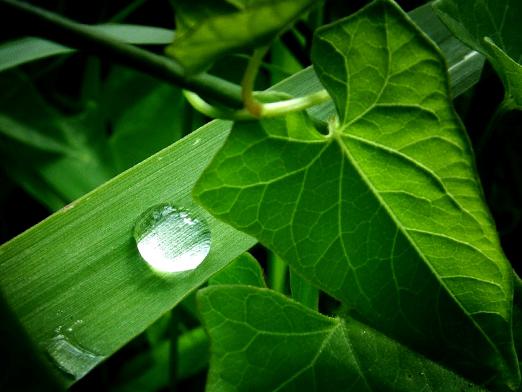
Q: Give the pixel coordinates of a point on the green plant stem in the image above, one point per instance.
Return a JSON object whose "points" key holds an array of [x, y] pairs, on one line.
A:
{"points": [[208, 110], [303, 291], [274, 109], [174, 334], [36, 21], [277, 270], [266, 110], [249, 78]]}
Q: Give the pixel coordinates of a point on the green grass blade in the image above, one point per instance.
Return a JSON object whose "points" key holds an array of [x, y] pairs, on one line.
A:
{"points": [[80, 268]]}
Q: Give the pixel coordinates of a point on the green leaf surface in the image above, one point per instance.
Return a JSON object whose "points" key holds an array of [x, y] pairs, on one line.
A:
{"points": [[243, 270], [386, 212], [23, 50], [210, 28], [96, 275], [493, 28], [263, 341]]}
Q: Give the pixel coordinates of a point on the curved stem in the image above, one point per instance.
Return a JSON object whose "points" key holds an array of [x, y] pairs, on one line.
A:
{"points": [[249, 78], [208, 110], [39, 22], [266, 110], [274, 109]]}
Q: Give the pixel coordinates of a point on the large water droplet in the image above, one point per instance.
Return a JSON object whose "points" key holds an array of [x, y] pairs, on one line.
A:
{"points": [[69, 356], [172, 239]]}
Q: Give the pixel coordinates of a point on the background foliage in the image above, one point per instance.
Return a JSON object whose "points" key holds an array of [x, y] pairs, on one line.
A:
{"points": [[70, 123]]}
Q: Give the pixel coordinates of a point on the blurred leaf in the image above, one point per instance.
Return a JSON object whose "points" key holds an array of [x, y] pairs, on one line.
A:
{"points": [[390, 197], [136, 34], [282, 63], [145, 115], [23, 50], [263, 341], [149, 372], [243, 270], [27, 49], [493, 28], [22, 133], [42, 129], [209, 29], [52, 175]]}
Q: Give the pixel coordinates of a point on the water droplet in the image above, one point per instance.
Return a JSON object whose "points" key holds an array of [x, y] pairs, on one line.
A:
{"points": [[69, 356], [172, 239]]}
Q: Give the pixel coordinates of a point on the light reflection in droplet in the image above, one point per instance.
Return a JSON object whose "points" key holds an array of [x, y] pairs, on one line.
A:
{"points": [[172, 239]]}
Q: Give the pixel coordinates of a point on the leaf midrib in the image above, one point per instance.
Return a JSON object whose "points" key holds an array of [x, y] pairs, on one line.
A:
{"points": [[412, 242], [426, 170]]}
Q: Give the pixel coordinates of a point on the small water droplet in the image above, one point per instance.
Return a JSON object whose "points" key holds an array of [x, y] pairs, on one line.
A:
{"points": [[172, 239], [70, 357]]}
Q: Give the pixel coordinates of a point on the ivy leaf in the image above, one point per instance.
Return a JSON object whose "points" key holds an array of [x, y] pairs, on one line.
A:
{"points": [[263, 341], [491, 27], [207, 29], [386, 212]]}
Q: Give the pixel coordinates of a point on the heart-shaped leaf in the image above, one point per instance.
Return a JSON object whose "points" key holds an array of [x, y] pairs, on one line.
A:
{"points": [[263, 341], [386, 212]]}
